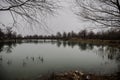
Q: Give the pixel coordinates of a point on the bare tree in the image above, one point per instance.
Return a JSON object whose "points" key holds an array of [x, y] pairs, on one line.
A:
{"points": [[105, 12], [29, 10]]}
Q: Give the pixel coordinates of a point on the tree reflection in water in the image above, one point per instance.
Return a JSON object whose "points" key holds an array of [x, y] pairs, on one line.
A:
{"points": [[7, 47], [111, 53]]}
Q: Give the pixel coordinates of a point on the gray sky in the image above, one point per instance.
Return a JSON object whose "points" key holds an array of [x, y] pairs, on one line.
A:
{"points": [[64, 20]]}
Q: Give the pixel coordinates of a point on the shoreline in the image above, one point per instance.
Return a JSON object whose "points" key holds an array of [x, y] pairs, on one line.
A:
{"points": [[113, 43], [77, 75]]}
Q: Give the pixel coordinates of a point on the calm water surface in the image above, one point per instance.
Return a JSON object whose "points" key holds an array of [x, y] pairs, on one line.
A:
{"points": [[28, 59]]}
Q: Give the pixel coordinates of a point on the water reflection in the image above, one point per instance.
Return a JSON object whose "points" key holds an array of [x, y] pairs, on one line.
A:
{"points": [[82, 46], [29, 57], [9, 62], [27, 60], [111, 52], [7, 46], [1, 58]]}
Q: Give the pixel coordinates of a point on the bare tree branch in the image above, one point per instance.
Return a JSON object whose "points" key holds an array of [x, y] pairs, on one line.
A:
{"points": [[105, 12], [29, 10]]}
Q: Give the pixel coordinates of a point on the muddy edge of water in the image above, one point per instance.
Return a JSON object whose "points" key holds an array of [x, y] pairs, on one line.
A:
{"points": [[77, 75]]}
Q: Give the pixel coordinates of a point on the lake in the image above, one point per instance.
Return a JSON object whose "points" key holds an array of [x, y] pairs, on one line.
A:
{"points": [[28, 59]]}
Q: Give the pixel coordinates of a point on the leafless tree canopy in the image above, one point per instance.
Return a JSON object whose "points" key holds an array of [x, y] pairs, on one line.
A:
{"points": [[28, 9], [105, 12]]}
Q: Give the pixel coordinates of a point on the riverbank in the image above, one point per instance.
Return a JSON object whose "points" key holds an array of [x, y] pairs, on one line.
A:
{"points": [[77, 75], [114, 43]]}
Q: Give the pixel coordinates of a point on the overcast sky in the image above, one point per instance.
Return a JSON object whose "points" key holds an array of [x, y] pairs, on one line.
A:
{"points": [[64, 20]]}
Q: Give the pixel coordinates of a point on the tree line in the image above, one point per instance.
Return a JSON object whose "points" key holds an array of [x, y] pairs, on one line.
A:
{"points": [[9, 34], [112, 34]]}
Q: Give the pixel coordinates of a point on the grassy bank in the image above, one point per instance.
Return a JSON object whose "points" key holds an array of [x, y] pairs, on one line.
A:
{"points": [[114, 43]]}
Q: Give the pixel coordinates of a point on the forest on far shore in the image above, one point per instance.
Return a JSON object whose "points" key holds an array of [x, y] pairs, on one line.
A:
{"points": [[112, 34]]}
